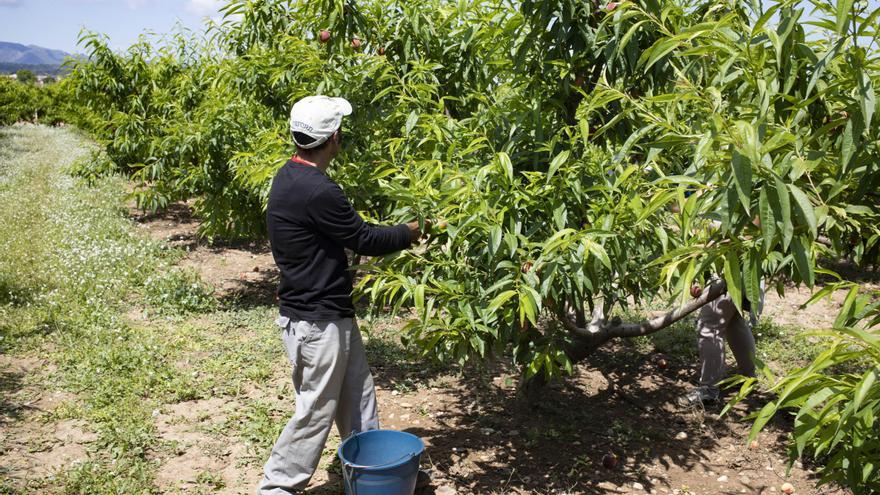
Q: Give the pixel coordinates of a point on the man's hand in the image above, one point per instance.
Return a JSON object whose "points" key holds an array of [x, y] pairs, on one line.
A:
{"points": [[415, 233]]}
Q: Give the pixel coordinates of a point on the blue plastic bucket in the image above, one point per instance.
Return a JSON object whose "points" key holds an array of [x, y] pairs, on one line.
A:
{"points": [[381, 462]]}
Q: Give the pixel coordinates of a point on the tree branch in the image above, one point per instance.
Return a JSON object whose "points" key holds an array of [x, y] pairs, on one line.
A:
{"points": [[600, 330], [712, 292]]}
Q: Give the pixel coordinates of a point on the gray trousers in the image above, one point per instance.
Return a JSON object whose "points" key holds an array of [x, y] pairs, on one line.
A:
{"points": [[332, 382], [720, 320]]}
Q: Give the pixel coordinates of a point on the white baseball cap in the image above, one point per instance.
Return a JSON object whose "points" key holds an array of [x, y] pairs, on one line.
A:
{"points": [[318, 117]]}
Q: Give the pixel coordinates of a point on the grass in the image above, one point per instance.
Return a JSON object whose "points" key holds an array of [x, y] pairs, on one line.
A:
{"points": [[71, 266], [70, 261]]}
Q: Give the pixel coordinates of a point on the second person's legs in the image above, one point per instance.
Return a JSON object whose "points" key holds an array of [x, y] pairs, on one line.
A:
{"points": [[720, 320]]}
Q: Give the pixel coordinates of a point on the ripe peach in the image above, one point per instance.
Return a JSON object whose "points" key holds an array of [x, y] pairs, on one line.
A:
{"points": [[324, 36], [787, 488], [356, 43], [696, 291]]}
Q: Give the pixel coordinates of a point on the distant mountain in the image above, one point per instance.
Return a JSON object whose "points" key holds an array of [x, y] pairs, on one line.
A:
{"points": [[14, 53]]}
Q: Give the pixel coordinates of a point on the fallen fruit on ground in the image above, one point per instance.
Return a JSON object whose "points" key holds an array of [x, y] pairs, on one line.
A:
{"points": [[787, 488], [609, 461]]}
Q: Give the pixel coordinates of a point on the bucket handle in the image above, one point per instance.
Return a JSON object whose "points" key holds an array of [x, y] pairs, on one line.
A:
{"points": [[359, 466], [349, 470]]}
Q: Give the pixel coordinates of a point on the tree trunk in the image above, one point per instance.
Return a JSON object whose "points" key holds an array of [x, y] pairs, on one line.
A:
{"points": [[588, 338]]}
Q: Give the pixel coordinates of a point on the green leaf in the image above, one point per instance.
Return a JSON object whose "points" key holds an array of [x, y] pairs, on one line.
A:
{"points": [[506, 165], [494, 239], [867, 98], [768, 14], [733, 277], [781, 205], [624, 40], [762, 419], [557, 162], [847, 145], [752, 279], [419, 298], [801, 252], [597, 250], [819, 69], [846, 311], [805, 210], [844, 9], [657, 51], [864, 386], [742, 174], [528, 305], [500, 300], [768, 220], [411, 121]]}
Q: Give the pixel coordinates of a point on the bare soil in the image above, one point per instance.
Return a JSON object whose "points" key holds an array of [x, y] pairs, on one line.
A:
{"points": [[480, 439], [244, 271], [36, 447]]}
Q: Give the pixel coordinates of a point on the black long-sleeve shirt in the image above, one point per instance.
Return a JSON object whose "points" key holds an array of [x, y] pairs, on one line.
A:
{"points": [[310, 223]]}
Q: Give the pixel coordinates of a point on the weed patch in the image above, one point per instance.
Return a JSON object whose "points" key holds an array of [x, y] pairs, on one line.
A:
{"points": [[69, 262]]}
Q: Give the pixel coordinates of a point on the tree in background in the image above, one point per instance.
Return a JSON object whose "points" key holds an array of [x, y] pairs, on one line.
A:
{"points": [[25, 76], [23, 102]]}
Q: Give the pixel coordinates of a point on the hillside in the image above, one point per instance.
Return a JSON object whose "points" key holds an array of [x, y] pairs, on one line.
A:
{"points": [[16, 53]]}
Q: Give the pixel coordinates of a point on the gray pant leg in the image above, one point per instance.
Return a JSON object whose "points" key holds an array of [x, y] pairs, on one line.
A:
{"points": [[318, 353], [710, 342], [719, 320], [357, 401], [742, 343]]}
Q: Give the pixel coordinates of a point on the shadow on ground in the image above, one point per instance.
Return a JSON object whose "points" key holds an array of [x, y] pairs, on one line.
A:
{"points": [[252, 293], [10, 410], [489, 441]]}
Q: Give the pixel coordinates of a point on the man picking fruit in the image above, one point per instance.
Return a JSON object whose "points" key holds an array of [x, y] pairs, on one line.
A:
{"points": [[311, 223]]}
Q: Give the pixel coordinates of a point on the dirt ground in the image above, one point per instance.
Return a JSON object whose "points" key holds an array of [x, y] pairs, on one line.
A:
{"points": [[479, 438]]}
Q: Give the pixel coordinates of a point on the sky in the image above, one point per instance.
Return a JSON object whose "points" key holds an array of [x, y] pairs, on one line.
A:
{"points": [[56, 23]]}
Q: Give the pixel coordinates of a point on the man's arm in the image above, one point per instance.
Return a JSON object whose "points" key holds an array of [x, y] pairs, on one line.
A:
{"points": [[335, 217]]}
